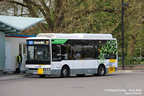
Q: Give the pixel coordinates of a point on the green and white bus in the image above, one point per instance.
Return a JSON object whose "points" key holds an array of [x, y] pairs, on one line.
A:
{"points": [[68, 54]]}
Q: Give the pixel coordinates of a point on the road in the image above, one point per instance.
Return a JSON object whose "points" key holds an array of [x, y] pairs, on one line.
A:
{"points": [[114, 84]]}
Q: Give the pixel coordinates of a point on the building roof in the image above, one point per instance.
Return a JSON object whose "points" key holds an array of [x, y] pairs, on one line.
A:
{"points": [[12, 24], [19, 36]]}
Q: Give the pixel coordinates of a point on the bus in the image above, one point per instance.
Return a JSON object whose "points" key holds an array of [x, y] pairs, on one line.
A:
{"points": [[69, 54]]}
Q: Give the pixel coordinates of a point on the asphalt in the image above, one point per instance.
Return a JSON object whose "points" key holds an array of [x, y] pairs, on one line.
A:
{"points": [[7, 76]]}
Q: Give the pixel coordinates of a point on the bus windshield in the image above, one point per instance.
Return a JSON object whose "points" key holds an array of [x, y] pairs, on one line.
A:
{"points": [[38, 53]]}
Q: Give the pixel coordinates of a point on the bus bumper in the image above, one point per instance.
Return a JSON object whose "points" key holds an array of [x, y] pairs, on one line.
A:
{"points": [[48, 72], [111, 69], [42, 72]]}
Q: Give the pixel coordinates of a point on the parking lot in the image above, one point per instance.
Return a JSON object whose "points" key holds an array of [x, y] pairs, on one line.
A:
{"points": [[114, 84]]}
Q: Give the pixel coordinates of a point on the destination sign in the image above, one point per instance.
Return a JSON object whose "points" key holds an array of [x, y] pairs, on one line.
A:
{"points": [[38, 42]]}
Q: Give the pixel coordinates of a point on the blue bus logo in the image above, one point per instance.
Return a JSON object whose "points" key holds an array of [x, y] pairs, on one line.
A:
{"points": [[30, 42]]}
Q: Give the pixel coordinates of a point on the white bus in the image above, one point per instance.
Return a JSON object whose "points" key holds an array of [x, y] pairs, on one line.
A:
{"points": [[67, 54]]}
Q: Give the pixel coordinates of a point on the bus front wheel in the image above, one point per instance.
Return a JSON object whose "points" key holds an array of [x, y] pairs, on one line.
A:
{"points": [[65, 72], [101, 70]]}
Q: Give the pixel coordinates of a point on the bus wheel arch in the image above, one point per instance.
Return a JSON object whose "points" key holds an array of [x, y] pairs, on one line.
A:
{"points": [[65, 71], [101, 70]]}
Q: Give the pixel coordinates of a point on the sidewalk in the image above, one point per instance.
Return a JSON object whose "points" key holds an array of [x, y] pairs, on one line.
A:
{"points": [[132, 67], [11, 75], [128, 71]]}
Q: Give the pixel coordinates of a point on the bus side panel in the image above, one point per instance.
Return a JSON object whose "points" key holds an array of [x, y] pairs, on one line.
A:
{"points": [[105, 62], [56, 66], [78, 67], [69, 63], [89, 66]]}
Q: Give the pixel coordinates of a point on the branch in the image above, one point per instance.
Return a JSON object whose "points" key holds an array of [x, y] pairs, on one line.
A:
{"points": [[77, 3], [59, 12], [49, 4], [28, 1], [45, 7], [132, 36], [101, 9], [110, 10], [18, 3], [42, 27], [47, 17], [34, 4], [87, 11], [83, 12], [2, 2], [115, 26]]}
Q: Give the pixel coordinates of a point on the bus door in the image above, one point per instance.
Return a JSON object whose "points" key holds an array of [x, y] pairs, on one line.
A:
{"points": [[56, 56], [89, 61], [77, 52]]}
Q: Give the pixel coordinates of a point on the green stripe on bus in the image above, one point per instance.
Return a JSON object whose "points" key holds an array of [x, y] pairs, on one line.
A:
{"points": [[58, 41]]}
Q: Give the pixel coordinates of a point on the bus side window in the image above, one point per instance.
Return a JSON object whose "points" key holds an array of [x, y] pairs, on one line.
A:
{"points": [[56, 52], [88, 52], [96, 52], [66, 52], [77, 53]]}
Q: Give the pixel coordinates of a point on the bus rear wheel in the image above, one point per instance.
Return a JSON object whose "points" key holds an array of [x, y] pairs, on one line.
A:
{"points": [[42, 76], [65, 72], [101, 70]]}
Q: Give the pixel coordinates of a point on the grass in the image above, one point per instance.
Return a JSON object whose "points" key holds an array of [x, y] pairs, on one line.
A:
{"points": [[134, 62]]}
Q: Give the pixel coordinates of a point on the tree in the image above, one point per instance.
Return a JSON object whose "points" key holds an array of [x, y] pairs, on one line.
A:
{"points": [[133, 26], [65, 15], [134, 19], [85, 16]]}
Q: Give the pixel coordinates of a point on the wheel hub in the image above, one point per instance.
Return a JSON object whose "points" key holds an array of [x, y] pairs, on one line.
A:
{"points": [[65, 72], [101, 71]]}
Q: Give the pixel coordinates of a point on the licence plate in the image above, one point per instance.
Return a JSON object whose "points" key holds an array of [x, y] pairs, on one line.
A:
{"points": [[35, 73], [39, 66]]}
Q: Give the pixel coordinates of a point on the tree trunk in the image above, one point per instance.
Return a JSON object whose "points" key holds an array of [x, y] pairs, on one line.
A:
{"points": [[133, 39], [43, 28], [33, 14], [131, 46]]}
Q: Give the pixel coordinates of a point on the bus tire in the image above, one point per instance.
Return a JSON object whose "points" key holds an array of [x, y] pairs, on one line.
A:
{"points": [[65, 72], [42, 76], [101, 70]]}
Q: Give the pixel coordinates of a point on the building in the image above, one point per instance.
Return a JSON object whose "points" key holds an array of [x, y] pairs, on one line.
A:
{"points": [[9, 25], [13, 45]]}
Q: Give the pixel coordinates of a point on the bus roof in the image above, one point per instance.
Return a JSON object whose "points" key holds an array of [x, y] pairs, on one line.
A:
{"points": [[74, 35]]}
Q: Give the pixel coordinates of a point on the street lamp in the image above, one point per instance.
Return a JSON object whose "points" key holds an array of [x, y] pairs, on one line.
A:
{"points": [[123, 4]]}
